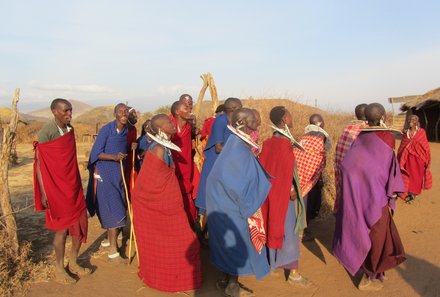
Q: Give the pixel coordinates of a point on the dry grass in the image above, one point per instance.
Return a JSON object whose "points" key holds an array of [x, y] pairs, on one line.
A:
{"points": [[16, 270]]}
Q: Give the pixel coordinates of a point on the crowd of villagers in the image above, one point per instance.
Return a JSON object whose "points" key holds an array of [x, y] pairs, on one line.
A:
{"points": [[250, 204]]}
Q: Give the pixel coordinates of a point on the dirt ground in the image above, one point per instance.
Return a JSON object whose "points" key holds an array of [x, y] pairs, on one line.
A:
{"points": [[418, 224]]}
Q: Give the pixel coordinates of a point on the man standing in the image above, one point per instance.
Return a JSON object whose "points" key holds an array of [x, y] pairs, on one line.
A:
{"points": [[351, 132], [283, 210], [236, 188], [183, 160], [365, 234], [130, 172], [58, 188], [414, 158], [216, 141], [105, 192]]}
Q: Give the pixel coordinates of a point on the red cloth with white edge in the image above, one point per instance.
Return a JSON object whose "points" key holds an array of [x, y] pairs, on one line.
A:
{"points": [[62, 184], [414, 157], [311, 162], [169, 252]]}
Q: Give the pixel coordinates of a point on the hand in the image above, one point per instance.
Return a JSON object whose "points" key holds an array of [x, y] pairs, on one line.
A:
{"points": [[44, 200], [134, 146], [120, 156], [293, 193]]}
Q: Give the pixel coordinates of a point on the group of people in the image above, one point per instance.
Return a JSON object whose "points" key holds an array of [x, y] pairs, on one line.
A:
{"points": [[250, 203]]}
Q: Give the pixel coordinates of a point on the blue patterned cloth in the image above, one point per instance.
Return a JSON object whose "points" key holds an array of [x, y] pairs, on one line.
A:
{"points": [[235, 190], [109, 203], [219, 134]]}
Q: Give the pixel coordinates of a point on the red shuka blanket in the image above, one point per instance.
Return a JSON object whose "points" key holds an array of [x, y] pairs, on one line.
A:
{"points": [[169, 252], [185, 167], [61, 181], [130, 173], [414, 157], [311, 162], [275, 207]]}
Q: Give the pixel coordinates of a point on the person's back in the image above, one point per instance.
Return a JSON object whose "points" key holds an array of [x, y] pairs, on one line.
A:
{"points": [[365, 235]]}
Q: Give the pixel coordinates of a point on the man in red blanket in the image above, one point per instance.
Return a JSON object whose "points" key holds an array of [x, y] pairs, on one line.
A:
{"points": [[185, 169], [169, 252], [414, 157], [130, 173], [351, 132], [58, 189]]}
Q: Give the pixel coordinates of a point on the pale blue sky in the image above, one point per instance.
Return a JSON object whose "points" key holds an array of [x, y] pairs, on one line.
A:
{"points": [[149, 52]]}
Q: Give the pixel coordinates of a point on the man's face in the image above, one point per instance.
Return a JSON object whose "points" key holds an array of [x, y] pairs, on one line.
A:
{"points": [[63, 113], [121, 115], [413, 122], [233, 107], [184, 112], [287, 119], [188, 102]]}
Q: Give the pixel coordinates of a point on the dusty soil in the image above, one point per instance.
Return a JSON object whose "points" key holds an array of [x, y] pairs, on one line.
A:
{"points": [[418, 224]]}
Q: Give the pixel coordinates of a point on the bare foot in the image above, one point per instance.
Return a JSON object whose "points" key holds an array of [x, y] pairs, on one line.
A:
{"points": [[297, 280], [62, 277], [79, 270]]}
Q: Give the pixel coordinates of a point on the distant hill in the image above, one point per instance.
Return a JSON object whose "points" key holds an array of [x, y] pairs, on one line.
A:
{"points": [[100, 114], [78, 109], [5, 116]]}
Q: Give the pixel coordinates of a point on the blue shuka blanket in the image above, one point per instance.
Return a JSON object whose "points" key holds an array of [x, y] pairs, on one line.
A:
{"points": [[109, 202], [219, 134], [235, 190]]}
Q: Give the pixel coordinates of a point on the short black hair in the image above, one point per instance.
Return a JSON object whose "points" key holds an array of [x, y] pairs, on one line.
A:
{"points": [[57, 101], [359, 111], [316, 118], [157, 121], [174, 107], [185, 97], [117, 106], [220, 108], [276, 114], [374, 113]]}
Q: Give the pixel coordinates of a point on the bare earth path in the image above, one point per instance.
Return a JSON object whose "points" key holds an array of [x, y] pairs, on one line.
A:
{"points": [[418, 224]]}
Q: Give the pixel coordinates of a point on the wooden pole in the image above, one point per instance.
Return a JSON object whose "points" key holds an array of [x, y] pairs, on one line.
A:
{"points": [[5, 197]]}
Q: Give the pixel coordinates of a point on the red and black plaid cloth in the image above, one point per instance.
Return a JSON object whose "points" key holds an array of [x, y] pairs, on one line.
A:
{"points": [[351, 132], [311, 162]]}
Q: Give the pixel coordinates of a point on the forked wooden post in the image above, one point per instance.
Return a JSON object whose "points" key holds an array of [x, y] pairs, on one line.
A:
{"points": [[7, 214]]}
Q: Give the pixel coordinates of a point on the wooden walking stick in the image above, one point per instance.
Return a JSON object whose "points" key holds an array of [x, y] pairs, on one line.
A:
{"points": [[130, 216], [131, 208]]}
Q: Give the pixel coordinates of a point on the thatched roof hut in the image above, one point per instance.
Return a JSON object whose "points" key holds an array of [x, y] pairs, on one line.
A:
{"points": [[426, 107]]}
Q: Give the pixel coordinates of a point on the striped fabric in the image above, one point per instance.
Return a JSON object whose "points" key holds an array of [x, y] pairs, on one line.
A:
{"points": [[256, 230]]}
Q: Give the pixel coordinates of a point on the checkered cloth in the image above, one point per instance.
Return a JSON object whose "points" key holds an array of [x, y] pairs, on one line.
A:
{"points": [[257, 231], [311, 162], [351, 132]]}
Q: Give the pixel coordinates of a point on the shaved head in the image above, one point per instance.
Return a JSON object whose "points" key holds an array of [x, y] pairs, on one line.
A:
{"points": [[157, 122], [359, 111], [57, 101], [374, 112], [276, 114], [317, 119]]}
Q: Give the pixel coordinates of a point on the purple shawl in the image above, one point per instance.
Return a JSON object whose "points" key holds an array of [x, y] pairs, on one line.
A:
{"points": [[370, 176]]}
